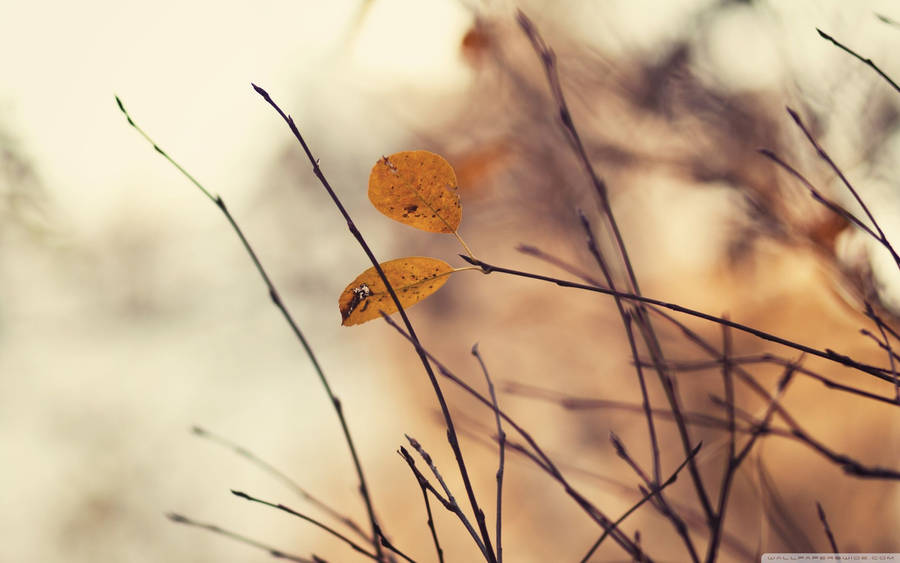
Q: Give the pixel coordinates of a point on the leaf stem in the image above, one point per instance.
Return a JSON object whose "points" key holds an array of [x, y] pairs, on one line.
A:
{"points": [[464, 245]]}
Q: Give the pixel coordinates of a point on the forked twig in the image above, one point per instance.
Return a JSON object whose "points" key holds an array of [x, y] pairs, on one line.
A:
{"points": [[648, 496], [426, 487], [450, 503]]}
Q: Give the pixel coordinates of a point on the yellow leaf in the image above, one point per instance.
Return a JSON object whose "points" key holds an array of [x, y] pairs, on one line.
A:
{"points": [[413, 279], [417, 188]]}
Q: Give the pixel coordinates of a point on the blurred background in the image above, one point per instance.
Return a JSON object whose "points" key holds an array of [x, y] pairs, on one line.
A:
{"points": [[129, 312]]}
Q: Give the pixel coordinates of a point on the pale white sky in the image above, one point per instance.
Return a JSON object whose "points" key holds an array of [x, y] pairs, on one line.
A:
{"points": [[94, 403]]}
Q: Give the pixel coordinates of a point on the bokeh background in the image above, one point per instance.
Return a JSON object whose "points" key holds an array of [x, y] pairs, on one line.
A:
{"points": [[129, 312]]}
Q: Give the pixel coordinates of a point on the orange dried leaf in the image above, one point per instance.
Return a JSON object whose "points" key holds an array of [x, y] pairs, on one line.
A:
{"points": [[413, 279], [418, 188]]}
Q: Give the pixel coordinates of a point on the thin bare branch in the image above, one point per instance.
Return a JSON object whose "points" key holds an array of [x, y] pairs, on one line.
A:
{"points": [[356, 547], [452, 505], [276, 553], [828, 533], [425, 486], [501, 444], [828, 354], [865, 60]]}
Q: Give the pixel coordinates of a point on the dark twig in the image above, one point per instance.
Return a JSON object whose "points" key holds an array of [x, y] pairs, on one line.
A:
{"points": [[648, 496], [501, 444], [661, 503], [445, 410], [827, 354], [880, 343], [386, 543], [797, 433], [735, 459], [281, 476], [881, 237], [886, 344], [824, 519], [835, 208], [772, 359], [451, 503], [866, 61], [728, 382], [276, 553], [358, 548], [404, 453], [425, 486], [731, 461], [279, 303]]}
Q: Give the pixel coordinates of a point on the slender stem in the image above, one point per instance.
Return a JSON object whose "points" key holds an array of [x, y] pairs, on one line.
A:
{"points": [[867, 61], [501, 443], [885, 343], [828, 354], [425, 486], [451, 500], [463, 243], [736, 362], [278, 506], [279, 303], [828, 533], [445, 410], [276, 553], [881, 237], [386, 543], [735, 460]]}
